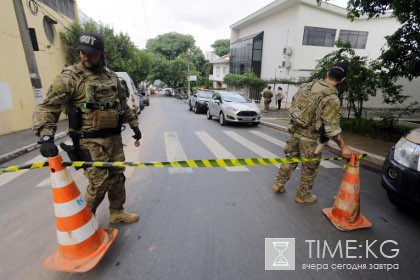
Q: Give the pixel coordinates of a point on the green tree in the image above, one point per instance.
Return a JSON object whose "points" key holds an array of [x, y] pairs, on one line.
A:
{"points": [[121, 53], [170, 45], [221, 46], [362, 81], [401, 58]]}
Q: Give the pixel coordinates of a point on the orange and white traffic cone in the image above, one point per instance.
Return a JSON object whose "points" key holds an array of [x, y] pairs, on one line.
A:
{"points": [[345, 213], [81, 241]]}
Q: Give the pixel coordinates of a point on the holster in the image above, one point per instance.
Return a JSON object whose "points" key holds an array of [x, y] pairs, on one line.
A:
{"points": [[76, 153], [323, 141]]}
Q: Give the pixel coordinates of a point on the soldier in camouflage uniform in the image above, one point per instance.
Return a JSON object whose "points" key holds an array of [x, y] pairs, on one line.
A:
{"points": [[96, 104], [267, 95], [304, 141]]}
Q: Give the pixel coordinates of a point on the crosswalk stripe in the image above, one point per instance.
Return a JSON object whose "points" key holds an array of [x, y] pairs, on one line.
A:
{"points": [[175, 152], [251, 145], [218, 150], [326, 164]]}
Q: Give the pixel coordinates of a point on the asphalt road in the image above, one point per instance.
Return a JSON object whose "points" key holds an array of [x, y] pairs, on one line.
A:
{"points": [[211, 223]]}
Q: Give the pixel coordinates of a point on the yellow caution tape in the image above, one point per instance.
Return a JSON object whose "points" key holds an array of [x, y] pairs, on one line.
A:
{"points": [[204, 163]]}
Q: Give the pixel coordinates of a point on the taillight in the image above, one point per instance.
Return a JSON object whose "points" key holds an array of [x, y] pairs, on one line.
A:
{"points": [[134, 101]]}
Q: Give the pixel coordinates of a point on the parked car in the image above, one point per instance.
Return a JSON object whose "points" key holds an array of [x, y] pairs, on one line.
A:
{"points": [[167, 91], [401, 171], [144, 98], [198, 101], [233, 107], [133, 100]]}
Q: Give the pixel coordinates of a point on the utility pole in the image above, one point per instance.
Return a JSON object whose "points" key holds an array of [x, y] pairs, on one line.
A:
{"points": [[29, 51], [188, 79]]}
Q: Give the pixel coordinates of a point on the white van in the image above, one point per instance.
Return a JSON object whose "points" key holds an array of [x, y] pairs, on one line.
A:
{"points": [[133, 100]]}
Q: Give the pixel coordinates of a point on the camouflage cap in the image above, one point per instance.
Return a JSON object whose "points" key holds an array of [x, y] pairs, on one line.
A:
{"points": [[91, 43]]}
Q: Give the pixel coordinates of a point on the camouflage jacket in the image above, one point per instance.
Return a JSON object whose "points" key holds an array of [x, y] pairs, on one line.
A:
{"points": [[267, 94], [72, 88], [327, 114]]}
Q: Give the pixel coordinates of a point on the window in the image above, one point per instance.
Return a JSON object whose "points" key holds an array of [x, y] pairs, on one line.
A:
{"points": [[224, 70], [217, 71], [246, 54], [317, 36], [48, 29], [65, 7], [357, 39]]}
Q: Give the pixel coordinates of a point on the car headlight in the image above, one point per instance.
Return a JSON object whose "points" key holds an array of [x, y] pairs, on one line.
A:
{"points": [[407, 154], [232, 108]]}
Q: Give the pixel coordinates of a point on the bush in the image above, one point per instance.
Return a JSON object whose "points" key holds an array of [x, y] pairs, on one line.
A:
{"points": [[374, 129]]}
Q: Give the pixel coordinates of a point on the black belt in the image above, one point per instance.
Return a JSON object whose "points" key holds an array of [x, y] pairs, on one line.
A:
{"points": [[96, 133]]}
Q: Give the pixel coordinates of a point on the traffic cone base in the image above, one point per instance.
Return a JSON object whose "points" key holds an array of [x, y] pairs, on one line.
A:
{"points": [[81, 241], [56, 261], [341, 224], [345, 214]]}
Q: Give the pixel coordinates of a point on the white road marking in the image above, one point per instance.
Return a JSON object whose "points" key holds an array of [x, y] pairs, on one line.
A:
{"points": [[218, 150], [251, 145], [326, 164], [175, 152]]}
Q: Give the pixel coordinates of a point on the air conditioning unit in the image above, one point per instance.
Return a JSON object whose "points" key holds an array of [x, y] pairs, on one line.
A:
{"points": [[287, 50], [285, 64]]}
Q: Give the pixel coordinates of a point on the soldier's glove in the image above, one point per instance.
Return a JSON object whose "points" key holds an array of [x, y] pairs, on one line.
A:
{"points": [[48, 148], [137, 133]]}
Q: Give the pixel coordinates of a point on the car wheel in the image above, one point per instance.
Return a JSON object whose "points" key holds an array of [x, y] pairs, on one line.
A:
{"points": [[196, 110], [209, 117], [255, 123], [190, 106], [222, 120]]}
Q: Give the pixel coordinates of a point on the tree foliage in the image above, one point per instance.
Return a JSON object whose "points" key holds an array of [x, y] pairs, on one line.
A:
{"points": [[221, 46], [121, 53], [173, 54], [401, 58], [362, 81], [170, 45]]}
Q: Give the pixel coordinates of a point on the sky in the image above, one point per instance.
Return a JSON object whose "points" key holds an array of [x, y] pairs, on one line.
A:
{"points": [[205, 20]]}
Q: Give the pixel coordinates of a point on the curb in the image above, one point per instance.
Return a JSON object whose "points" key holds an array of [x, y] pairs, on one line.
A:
{"points": [[14, 154], [372, 158]]}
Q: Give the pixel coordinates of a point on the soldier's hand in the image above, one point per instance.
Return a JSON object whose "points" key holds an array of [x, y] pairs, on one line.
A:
{"points": [[48, 149], [345, 151], [137, 133]]}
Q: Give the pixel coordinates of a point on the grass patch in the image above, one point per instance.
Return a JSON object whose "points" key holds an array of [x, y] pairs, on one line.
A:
{"points": [[374, 129]]}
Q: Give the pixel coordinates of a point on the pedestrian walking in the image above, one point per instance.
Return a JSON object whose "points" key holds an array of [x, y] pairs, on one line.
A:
{"points": [[279, 96], [315, 118], [267, 95], [95, 102]]}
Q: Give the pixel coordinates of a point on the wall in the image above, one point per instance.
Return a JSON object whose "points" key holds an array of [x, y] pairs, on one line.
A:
{"points": [[16, 95], [285, 28]]}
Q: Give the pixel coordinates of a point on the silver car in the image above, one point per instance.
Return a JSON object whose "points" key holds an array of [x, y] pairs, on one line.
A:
{"points": [[233, 107]]}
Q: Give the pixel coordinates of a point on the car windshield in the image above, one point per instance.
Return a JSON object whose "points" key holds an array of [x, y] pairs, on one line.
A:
{"points": [[236, 98], [204, 94]]}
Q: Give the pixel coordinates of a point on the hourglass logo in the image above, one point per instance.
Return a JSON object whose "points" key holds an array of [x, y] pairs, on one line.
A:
{"points": [[280, 254]]}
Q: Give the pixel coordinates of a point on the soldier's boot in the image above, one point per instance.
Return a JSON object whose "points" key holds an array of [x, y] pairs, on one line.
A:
{"points": [[278, 187], [307, 199], [117, 216]]}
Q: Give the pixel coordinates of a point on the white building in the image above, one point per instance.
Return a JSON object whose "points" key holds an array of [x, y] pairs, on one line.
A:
{"points": [[287, 37], [220, 69]]}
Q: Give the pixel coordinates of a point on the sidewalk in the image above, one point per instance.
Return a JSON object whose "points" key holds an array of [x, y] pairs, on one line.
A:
{"points": [[15, 144], [375, 149], [18, 143]]}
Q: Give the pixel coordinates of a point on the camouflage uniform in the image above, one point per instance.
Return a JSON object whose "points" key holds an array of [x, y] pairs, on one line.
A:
{"points": [[77, 86], [303, 141], [267, 94]]}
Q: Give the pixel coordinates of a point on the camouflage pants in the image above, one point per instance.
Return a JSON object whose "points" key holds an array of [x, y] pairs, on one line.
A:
{"points": [[105, 180], [299, 146], [267, 105]]}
